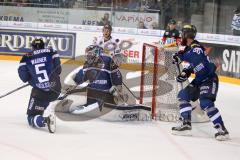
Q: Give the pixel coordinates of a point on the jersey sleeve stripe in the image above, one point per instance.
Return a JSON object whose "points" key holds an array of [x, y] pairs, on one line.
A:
{"points": [[22, 64], [55, 56], [99, 69], [115, 70]]}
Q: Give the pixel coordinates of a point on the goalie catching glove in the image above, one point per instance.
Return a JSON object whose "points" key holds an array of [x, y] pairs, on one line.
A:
{"points": [[119, 97]]}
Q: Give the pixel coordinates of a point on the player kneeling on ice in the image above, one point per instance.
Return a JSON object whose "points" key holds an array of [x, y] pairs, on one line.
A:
{"points": [[104, 81], [41, 69], [203, 87]]}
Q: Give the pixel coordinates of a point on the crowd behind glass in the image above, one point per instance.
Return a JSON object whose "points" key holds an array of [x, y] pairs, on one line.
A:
{"points": [[225, 14]]}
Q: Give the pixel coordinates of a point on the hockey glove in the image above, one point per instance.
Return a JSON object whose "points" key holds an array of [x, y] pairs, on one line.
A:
{"points": [[183, 76], [115, 91], [176, 59]]}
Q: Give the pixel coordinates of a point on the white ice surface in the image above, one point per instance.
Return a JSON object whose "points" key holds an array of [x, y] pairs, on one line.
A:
{"points": [[100, 140]]}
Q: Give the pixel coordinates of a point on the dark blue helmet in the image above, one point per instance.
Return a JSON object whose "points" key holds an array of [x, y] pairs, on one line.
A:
{"points": [[38, 44]]}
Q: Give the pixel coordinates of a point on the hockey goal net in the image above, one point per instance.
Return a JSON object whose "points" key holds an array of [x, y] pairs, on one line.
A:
{"points": [[159, 88]]}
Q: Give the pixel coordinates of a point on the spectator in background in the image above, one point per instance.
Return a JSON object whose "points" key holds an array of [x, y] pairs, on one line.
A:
{"points": [[236, 22], [171, 38], [141, 25], [172, 33], [154, 25], [105, 20]]}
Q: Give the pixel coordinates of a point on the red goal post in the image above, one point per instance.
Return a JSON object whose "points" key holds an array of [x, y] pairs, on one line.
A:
{"points": [[154, 79]]}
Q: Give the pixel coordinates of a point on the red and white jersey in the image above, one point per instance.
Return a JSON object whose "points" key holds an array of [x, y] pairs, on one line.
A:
{"points": [[110, 47]]}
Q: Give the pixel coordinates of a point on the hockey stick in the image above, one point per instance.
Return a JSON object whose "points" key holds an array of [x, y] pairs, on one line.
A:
{"points": [[70, 90], [137, 98], [10, 92], [179, 72]]}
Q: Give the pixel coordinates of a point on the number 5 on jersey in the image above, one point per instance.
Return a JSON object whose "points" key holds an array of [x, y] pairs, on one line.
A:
{"points": [[43, 72]]}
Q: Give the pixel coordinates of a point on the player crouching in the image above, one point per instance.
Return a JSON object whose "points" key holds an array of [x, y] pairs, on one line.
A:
{"points": [[104, 82], [41, 69], [203, 87]]}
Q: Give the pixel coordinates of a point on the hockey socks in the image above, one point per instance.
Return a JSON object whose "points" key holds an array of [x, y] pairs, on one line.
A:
{"points": [[36, 121]]}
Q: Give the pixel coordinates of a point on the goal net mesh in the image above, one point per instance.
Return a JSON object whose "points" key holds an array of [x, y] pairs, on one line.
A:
{"points": [[158, 86]]}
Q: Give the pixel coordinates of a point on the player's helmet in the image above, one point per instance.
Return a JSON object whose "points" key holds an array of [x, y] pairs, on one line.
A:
{"points": [[92, 52], [237, 10], [107, 26], [188, 31], [38, 44]]}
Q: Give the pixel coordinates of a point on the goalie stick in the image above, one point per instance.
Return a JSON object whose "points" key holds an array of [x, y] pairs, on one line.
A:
{"points": [[17, 89], [137, 98]]}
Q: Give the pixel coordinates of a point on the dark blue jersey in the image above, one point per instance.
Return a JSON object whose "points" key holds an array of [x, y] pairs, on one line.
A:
{"points": [[198, 61], [41, 69], [102, 75]]}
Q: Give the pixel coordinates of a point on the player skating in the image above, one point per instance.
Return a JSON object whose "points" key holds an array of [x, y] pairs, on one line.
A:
{"points": [[203, 87], [41, 69]]}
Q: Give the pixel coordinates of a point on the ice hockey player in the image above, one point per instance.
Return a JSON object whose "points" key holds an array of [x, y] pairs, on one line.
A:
{"points": [[109, 44], [104, 80], [41, 69], [203, 87], [172, 34]]}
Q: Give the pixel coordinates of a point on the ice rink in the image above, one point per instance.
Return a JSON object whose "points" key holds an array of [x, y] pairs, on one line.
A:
{"points": [[101, 140]]}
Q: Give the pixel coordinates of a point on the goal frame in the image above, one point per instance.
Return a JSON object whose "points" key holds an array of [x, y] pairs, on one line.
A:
{"points": [[154, 79]]}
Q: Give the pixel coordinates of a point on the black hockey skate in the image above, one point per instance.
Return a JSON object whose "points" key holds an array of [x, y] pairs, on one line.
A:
{"points": [[222, 133], [183, 128], [51, 122]]}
